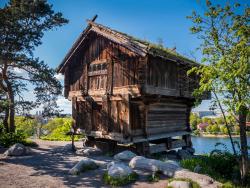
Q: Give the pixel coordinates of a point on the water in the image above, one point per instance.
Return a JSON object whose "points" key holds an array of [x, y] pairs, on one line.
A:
{"points": [[204, 145]]}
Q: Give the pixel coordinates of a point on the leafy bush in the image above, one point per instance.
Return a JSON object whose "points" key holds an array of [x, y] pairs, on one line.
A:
{"points": [[27, 125], [213, 128], [222, 166], [194, 121], [196, 132], [193, 183], [58, 129], [119, 181], [9, 139]]}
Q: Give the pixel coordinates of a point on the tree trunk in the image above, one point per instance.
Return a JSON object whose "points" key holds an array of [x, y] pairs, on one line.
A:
{"points": [[73, 132], [243, 143], [11, 108], [5, 120], [226, 123]]}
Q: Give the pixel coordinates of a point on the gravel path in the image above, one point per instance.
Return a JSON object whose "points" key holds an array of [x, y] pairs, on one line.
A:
{"points": [[48, 166]]}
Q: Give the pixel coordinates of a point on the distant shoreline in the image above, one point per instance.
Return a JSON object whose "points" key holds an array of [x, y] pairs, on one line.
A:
{"points": [[215, 136]]}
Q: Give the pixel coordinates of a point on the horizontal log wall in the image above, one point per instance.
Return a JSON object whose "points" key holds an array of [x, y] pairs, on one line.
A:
{"points": [[168, 117]]}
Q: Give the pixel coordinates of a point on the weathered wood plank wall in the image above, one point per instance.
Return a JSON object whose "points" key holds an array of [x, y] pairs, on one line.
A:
{"points": [[119, 91]]}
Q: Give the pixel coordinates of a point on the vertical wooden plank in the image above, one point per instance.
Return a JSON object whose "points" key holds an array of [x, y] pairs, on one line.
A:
{"points": [[66, 82], [74, 110], [188, 111], [89, 115], [110, 79]]}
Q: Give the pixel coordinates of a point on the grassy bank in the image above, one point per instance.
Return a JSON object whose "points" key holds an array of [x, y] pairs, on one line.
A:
{"points": [[215, 135]]}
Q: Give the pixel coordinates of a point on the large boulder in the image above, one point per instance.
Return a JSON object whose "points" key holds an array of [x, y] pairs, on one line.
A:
{"points": [[190, 150], [17, 150], [172, 162], [89, 151], [167, 168], [179, 184], [118, 170], [172, 170], [203, 180], [172, 154], [184, 154], [84, 165], [124, 156]]}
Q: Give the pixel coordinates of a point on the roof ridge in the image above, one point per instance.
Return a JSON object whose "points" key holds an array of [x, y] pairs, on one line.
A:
{"points": [[141, 47], [148, 46]]}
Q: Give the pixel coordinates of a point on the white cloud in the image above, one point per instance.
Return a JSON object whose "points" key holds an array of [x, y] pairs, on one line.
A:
{"points": [[64, 104], [59, 77], [18, 71]]}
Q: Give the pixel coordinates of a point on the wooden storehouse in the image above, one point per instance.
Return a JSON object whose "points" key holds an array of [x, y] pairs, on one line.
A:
{"points": [[128, 91]]}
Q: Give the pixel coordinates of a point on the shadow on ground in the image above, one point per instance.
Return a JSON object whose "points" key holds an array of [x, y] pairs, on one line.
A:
{"points": [[56, 161]]}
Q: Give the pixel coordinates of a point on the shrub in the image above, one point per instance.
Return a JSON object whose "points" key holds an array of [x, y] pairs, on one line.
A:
{"points": [[9, 139], [222, 166], [119, 181], [27, 125], [58, 129], [196, 132]]}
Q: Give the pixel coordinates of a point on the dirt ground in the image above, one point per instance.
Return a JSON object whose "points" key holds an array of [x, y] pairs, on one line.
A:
{"points": [[48, 167]]}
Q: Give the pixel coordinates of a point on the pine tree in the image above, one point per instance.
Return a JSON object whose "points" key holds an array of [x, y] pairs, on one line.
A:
{"points": [[22, 26]]}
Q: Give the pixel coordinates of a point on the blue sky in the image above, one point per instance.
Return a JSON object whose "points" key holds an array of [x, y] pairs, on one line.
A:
{"points": [[145, 19]]}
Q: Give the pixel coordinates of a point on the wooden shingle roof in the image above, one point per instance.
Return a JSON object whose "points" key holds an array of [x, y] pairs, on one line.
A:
{"points": [[140, 47]]}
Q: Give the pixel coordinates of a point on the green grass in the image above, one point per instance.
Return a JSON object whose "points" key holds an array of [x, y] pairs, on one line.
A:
{"points": [[193, 183], [119, 181], [222, 167], [154, 177]]}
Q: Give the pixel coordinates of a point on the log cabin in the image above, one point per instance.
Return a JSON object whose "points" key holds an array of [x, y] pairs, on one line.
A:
{"points": [[128, 91]]}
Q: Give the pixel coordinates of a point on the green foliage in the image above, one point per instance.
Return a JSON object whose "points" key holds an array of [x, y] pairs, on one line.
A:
{"points": [[207, 120], [154, 177], [26, 125], [222, 166], [9, 139], [119, 181], [1, 127], [194, 121], [196, 132], [57, 122], [193, 183], [220, 120], [228, 185], [23, 24], [223, 129], [224, 30], [58, 128]]}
